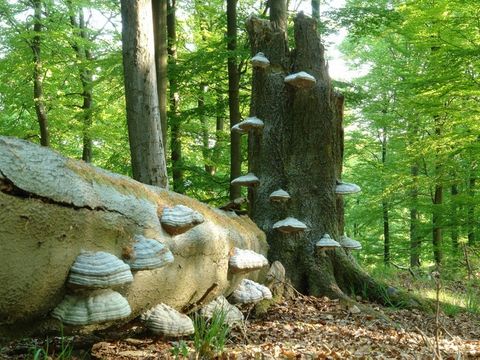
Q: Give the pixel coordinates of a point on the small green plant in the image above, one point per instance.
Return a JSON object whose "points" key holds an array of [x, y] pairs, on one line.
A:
{"points": [[180, 348], [211, 334], [472, 302], [65, 353]]}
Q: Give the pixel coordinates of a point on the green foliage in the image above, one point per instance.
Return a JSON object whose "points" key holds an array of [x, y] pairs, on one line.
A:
{"points": [[179, 349], [211, 334]]}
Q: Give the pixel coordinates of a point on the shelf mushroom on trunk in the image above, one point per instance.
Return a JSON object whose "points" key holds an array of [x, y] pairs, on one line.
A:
{"points": [[246, 180], [349, 243], [289, 225], [343, 188], [301, 80], [260, 61]]}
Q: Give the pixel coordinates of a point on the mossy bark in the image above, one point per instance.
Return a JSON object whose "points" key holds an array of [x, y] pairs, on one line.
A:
{"points": [[300, 150]]}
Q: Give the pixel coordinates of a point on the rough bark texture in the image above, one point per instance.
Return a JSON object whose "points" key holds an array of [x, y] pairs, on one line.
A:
{"points": [[300, 150], [233, 97], [415, 241], [38, 97], [51, 208], [175, 121], [143, 117], [385, 207], [159, 12]]}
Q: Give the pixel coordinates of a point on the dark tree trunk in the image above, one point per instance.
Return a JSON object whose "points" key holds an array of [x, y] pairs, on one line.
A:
{"points": [[205, 135], [84, 56], [385, 206], [38, 96], [159, 11], [316, 9], [298, 152], [454, 216], [143, 118], [414, 237], [437, 203], [233, 97], [471, 210], [175, 121]]}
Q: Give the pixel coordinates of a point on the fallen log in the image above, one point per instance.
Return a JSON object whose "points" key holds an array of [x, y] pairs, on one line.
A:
{"points": [[53, 208]]}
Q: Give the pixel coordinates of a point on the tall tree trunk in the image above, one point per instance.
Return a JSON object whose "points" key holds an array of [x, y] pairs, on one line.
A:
{"points": [[143, 118], [297, 151], [385, 204], [454, 216], [471, 209], [84, 56], [316, 9], [414, 237], [176, 140], [233, 97], [38, 96], [437, 203], [205, 135], [159, 11]]}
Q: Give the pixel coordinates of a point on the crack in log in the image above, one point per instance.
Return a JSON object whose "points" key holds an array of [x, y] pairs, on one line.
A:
{"points": [[9, 188]]}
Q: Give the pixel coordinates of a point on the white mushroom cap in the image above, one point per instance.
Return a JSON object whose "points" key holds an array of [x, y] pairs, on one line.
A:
{"points": [[289, 225], [246, 260], [250, 292], [246, 180], [349, 243], [301, 80], [326, 242], [343, 188], [260, 60], [250, 123], [237, 128], [98, 306], [279, 195], [99, 270], [180, 219], [220, 304], [149, 254], [166, 321]]}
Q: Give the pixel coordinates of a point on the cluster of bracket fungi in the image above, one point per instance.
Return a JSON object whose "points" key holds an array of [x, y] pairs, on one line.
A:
{"points": [[91, 297], [290, 225]]}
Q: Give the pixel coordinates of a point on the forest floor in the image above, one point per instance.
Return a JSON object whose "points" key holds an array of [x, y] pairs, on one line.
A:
{"points": [[300, 328]]}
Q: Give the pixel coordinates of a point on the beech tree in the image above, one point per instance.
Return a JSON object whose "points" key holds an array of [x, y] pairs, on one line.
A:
{"points": [[143, 116]]}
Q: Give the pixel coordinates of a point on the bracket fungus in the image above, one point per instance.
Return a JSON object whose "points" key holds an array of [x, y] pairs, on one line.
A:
{"points": [[97, 306], [246, 260], [250, 123], [260, 61], [327, 243], [301, 80], [246, 180], [99, 270], [349, 243], [250, 292], [289, 225], [344, 188], [279, 196], [232, 314], [166, 321], [149, 254], [180, 219]]}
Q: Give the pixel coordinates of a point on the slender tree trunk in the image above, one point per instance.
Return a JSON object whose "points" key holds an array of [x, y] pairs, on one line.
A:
{"points": [[298, 152], [143, 118], [176, 140], [205, 135], [437, 203], [316, 9], [385, 206], [84, 57], [159, 11], [414, 237], [233, 97], [471, 210], [38, 96], [219, 129], [454, 216]]}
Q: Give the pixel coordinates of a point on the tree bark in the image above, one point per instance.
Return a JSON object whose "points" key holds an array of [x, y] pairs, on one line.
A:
{"points": [[159, 11], [175, 121], [233, 97], [38, 96], [385, 205], [471, 210], [298, 152], [316, 9], [414, 237], [437, 203], [454, 216], [84, 57], [143, 117]]}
